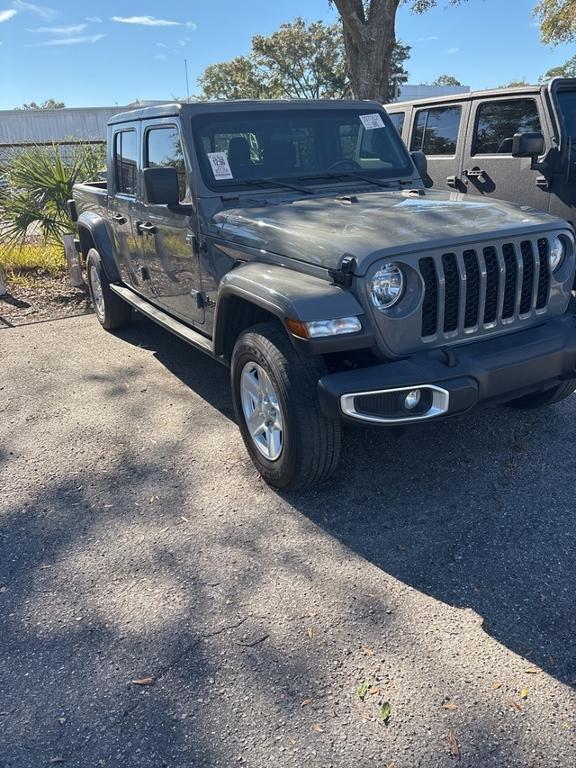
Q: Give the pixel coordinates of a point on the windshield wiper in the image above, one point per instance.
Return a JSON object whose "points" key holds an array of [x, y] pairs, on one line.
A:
{"points": [[276, 183], [349, 175]]}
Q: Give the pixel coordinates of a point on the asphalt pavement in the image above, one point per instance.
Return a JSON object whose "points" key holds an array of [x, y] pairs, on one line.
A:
{"points": [[160, 606]]}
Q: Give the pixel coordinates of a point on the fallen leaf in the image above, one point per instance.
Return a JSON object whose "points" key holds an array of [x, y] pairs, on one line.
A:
{"points": [[61, 720], [391, 765], [515, 705], [524, 693], [533, 670], [450, 705], [454, 748], [370, 594], [385, 711], [362, 690], [496, 684], [154, 498], [311, 633], [56, 760], [185, 519], [317, 727], [306, 702], [143, 681], [367, 650], [374, 690]]}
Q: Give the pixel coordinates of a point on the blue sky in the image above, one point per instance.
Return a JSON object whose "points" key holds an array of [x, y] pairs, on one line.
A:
{"points": [[110, 53]]}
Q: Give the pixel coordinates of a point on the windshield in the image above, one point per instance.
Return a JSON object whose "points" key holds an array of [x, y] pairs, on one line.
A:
{"points": [[567, 104], [304, 145]]}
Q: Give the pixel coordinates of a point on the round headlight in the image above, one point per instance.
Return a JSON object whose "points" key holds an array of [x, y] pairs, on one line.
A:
{"points": [[387, 286], [557, 253]]}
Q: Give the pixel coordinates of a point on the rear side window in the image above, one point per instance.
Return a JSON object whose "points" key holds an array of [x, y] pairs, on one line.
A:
{"points": [[164, 150], [498, 121], [436, 130], [397, 120], [125, 162]]}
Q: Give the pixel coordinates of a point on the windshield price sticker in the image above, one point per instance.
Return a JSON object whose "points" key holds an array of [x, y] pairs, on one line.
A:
{"points": [[370, 122], [220, 165]]}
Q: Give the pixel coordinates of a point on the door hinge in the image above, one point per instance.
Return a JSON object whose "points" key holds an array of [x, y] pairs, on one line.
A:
{"points": [[198, 246], [203, 301]]}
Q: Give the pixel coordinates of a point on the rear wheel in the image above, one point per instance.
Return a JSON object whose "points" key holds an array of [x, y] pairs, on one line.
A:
{"points": [[548, 397], [112, 311], [274, 389]]}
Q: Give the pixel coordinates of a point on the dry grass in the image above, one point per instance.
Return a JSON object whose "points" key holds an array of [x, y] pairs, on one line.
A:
{"points": [[20, 264]]}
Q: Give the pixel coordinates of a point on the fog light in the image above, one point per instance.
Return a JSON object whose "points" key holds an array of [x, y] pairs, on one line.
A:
{"points": [[412, 399]]}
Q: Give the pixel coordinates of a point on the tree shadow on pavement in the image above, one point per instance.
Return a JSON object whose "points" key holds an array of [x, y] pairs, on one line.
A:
{"points": [[476, 511]]}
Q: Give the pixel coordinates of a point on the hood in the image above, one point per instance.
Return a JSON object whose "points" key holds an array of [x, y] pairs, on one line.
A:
{"points": [[372, 225]]}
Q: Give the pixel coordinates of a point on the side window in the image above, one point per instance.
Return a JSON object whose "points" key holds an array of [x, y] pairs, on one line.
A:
{"points": [[164, 150], [125, 163], [436, 130], [397, 120], [498, 121]]}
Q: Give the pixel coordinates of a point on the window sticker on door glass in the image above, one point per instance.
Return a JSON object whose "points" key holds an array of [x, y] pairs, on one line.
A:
{"points": [[220, 165], [370, 122]]}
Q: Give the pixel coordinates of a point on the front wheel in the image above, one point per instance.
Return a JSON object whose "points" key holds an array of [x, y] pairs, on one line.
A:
{"points": [[274, 389], [548, 397]]}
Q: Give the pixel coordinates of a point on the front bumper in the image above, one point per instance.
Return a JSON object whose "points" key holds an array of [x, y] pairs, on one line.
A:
{"points": [[496, 370]]}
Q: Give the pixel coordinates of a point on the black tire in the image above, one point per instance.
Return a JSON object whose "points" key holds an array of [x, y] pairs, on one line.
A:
{"points": [[547, 397], [311, 441], [112, 312]]}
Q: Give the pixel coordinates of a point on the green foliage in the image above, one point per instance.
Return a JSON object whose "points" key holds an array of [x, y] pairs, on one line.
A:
{"points": [[446, 80], [48, 104], [515, 83], [39, 183], [565, 70], [299, 60], [32, 257], [557, 20]]}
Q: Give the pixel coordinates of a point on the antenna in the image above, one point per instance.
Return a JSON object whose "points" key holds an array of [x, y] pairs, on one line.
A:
{"points": [[187, 84]]}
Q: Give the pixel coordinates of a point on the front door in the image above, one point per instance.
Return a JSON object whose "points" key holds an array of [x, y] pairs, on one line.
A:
{"points": [[436, 132], [167, 238], [488, 168], [123, 193]]}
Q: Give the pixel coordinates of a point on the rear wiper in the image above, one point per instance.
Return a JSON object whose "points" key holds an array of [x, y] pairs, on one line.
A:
{"points": [[276, 183], [348, 175]]}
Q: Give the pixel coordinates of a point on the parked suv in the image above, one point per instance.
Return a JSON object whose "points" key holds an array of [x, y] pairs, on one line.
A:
{"points": [[516, 144], [295, 242]]}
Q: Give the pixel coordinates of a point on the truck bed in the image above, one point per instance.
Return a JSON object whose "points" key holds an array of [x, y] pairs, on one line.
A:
{"points": [[90, 195]]}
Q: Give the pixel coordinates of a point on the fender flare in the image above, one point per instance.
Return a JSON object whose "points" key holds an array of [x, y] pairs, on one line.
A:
{"points": [[93, 228], [286, 293]]}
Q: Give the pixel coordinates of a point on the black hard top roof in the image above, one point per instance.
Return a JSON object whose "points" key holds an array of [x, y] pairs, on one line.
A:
{"points": [[240, 105]]}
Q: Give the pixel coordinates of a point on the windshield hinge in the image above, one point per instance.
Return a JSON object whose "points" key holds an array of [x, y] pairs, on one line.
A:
{"points": [[344, 274]]}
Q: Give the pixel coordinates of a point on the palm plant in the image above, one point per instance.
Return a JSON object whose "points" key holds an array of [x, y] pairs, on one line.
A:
{"points": [[39, 184]]}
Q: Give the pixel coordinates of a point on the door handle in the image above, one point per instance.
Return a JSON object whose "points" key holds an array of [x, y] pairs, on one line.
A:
{"points": [[119, 218], [475, 173], [149, 228]]}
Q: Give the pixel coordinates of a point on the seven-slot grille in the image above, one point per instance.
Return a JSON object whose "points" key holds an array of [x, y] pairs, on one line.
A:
{"points": [[482, 287]]}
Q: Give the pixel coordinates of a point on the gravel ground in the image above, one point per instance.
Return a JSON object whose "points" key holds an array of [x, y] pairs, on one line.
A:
{"points": [[43, 297], [136, 541]]}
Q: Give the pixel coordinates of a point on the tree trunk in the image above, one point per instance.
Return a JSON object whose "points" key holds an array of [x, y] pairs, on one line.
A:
{"points": [[369, 36]]}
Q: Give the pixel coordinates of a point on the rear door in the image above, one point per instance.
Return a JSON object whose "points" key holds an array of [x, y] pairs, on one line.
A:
{"points": [[168, 238], [123, 183], [436, 131], [489, 170]]}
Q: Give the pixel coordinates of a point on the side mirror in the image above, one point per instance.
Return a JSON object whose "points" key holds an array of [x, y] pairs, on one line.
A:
{"points": [[528, 145], [421, 163], [161, 186]]}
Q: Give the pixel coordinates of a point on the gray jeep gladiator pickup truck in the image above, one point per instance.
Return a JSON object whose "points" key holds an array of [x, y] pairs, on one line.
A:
{"points": [[295, 242]]}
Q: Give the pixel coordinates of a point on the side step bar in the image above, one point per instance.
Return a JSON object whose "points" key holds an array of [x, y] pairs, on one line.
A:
{"points": [[166, 321]]}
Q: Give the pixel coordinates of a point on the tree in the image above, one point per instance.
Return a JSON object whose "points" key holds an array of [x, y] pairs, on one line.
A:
{"points": [[565, 70], [557, 20], [299, 60], [48, 104], [446, 80], [515, 83], [369, 37]]}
